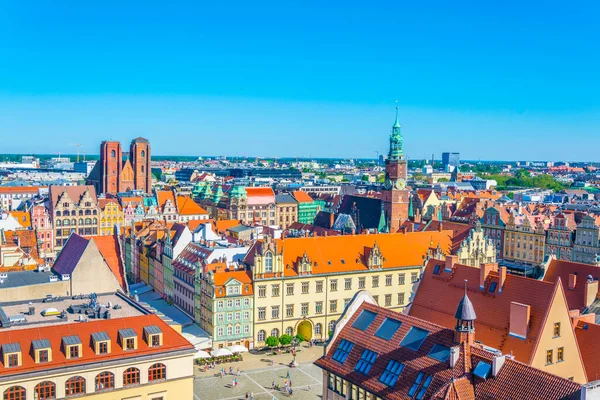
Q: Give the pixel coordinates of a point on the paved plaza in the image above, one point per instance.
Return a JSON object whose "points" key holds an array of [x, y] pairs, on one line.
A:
{"points": [[257, 376]]}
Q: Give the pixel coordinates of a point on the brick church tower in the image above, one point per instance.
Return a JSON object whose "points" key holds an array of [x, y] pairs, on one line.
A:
{"points": [[139, 154], [395, 195], [111, 156]]}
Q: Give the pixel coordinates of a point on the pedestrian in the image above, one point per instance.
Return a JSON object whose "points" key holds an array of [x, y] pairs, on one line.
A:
{"points": [[309, 388], [273, 385], [247, 395], [230, 370], [288, 374], [251, 396]]}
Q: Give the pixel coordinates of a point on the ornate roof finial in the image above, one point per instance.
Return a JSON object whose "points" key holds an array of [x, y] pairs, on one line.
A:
{"points": [[397, 122]]}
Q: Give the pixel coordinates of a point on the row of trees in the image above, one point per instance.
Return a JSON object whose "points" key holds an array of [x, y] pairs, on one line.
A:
{"points": [[522, 178], [284, 340]]}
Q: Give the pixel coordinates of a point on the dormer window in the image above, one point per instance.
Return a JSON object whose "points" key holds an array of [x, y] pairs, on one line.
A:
{"points": [[72, 346], [128, 339], [101, 342], [41, 350], [12, 354], [153, 335]]}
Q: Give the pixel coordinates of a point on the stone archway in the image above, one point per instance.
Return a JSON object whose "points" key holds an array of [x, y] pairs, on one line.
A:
{"points": [[305, 329]]}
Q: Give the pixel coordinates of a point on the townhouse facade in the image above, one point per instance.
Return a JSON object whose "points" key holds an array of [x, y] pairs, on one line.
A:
{"points": [[524, 243], [586, 248], [559, 240], [73, 209]]}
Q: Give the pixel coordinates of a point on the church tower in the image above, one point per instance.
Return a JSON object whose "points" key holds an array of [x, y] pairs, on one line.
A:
{"points": [[139, 154], [395, 195]]}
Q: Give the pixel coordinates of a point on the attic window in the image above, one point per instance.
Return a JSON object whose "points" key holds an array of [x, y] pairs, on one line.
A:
{"points": [[343, 262], [436, 270], [482, 370], [328, 262], [493, 286]]}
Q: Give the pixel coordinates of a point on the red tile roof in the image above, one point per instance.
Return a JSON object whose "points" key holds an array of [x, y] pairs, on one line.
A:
{"points": [[587, 337], [187, 206], [172, 341], [559, 269], [109, 248], [260, 195], [459, 231], [223, 224], [302, 197]]}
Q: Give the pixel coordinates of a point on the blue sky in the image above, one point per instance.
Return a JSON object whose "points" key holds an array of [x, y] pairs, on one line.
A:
{"points": [[492, 80]]}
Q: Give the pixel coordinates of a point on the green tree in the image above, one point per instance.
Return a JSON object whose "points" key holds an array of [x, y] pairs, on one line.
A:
{"points": [[443, 180], [365, 177], [300, 338], [285, 340], [272, 341]]}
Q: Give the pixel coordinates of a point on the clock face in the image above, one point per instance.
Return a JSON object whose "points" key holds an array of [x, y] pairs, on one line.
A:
{"points": [[400, 184], [387, 184]]}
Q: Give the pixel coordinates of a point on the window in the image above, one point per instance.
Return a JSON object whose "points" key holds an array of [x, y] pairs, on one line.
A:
{"points": [[439, 352], [157, 372], [246, 328], [319, 287], [424, 387], [155, 340], [416, 384], [348, 283], [105, 380], [261, 336], [275, 332], [414, 276], [269, 262], [375, 281], [414, 338], [549, 356], [388, 280], [289, 310], [560, 354], [262, 291], [75, 385], [13, 360], [45, 390], [304, 287], [289, 289], [43, 356], [131, 376], [400, 299], [341, 353], [333, 306], [73, 351], [220, 317], [289, 331], [129, 344], [388, 329], [318, 329], [556, 329], [366, 361], [493, 287], [361, 283], [262, 313], [275, 290], [388, 299], [304, 309], [333, 285], [14, 393], [275, 312], [246, 315], [390, 376], [364, 320], [319, 307]]}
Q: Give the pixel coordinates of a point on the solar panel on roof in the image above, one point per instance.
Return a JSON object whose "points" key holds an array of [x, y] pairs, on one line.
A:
{"points": [[439, 352], [341, 353], [388, 328], [366, 361], [482, 370], [391, 374], [364, 320], [414, 338]]}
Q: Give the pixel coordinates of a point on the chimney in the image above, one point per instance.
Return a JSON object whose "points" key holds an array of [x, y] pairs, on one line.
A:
{"points": [[454, 356], [450, 261], [325, 232], [440, 226], [331, 220], [485, 271], [502, 279], [519, 319], [497, 363], [590, 291], [572, 281]]}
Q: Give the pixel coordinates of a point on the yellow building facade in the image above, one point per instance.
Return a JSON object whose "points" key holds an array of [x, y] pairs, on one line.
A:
{"points": [[303, 285], [524, 243], [111, 214]]}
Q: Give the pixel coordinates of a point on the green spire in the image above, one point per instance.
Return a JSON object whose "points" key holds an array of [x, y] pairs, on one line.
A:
{"points": [[396, 152]]}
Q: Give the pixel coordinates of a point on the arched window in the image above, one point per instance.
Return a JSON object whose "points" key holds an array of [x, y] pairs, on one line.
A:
{"points": [[261, 336], [88, 212], [105, 380], [331, 326], [95, 212], [66, 222], [275, 332], [289, 331], [95, 221], [157, 372], [113, 153], [131, 376], [14, 393], [45, 390], [80, 212], [58, 213], [142, 168], [318, 329], [80, 221], [58, 222], [88, 221], [143, 154], [73, 221], [75, 385], [269, 262]]}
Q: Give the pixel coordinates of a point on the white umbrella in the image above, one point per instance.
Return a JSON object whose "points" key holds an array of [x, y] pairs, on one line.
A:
{"points": [[238, 349], [221, 353], [202, 354]]}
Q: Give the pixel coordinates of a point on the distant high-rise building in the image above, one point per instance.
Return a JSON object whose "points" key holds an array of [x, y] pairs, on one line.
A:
{"points": [[450, 159], [112, 174]]}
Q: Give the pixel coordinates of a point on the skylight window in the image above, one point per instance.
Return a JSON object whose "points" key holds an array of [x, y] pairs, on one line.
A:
{"points": [[482, 370], [388, 328], [439, 352], [416, 384], [424, 387], [493, 286], [341, 353], [366, 361], [414, 338], [364, 320], [391, 374], [436, 270]]}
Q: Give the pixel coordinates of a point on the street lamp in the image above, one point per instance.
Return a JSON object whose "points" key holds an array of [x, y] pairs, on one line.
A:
{"points": [[295, 342]]}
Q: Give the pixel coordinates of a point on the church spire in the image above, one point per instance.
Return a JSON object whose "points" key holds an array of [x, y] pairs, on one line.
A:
{"points": [[396, 140], [397, 123]]}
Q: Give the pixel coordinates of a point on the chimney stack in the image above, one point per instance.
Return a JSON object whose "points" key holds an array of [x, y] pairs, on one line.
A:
{"points": [[497, 363], [590, 291], [519, 319], [502, 279], [572, 281], [485, 271], [331, 220], [450, 261], [454, 356]]}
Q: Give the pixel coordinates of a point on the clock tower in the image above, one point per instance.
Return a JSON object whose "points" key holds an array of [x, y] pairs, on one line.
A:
{"points": [[395, 195]]}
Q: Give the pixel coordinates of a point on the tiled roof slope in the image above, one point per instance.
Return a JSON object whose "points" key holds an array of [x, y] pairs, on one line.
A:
{"points": [[260, 195], [109, 248], [514, 380], [302, 197], [459, 231], [187, 206], [172, 341], [559, 269], [588, 338], [69, 256], [330, 254], [438, 296]]}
